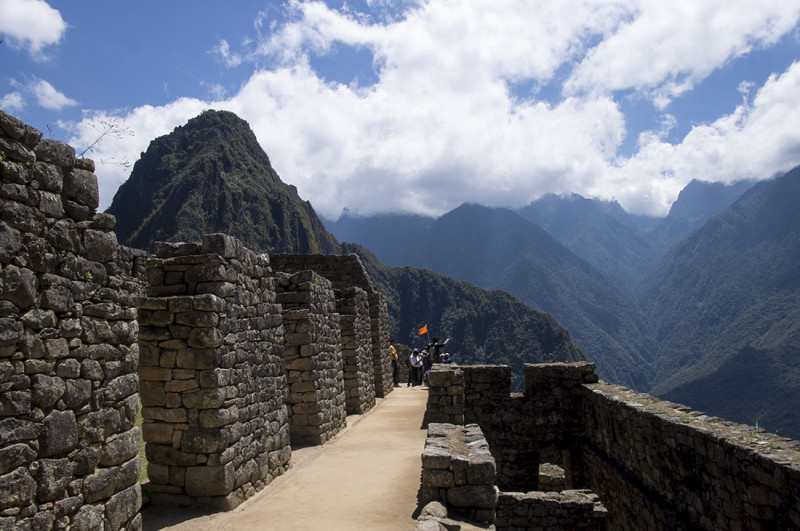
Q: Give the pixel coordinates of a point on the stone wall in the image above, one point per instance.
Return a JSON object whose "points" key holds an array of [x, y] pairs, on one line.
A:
{"points": [[459, 471], [213, 381], [353, 307], [381, 360], [676, 467], [313, 354], [445, 395], [68, 352], [345, 271], [570, 509], [653, 464]]}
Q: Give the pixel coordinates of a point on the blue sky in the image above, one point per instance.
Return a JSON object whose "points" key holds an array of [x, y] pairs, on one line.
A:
{"points": [[419, 106]]}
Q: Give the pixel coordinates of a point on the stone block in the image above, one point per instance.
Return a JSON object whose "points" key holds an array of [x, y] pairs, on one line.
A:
{"points": [[52, 477], [210, 480], [17, 489], [101, 246], [123, 507], [214, 418], [158, 432], [100, 485], [480, 496], [197, 318], [59, 433], [208, 398], [81, 187], [205, 441], [120, 449], [56, 152], [205, 338], [15, 456]]}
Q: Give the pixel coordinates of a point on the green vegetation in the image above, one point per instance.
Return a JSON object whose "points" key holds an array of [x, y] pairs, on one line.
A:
{"points": [[726, 302], [211, 175], [486, 326]]}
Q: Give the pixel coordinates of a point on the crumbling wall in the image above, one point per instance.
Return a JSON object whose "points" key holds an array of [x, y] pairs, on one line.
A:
{"points": [[570, 509], [68, 352], [353, 307], [314, 370], [213, 381]]}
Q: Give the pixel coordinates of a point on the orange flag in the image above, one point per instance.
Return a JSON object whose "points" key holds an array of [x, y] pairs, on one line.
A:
{"points": [[423, 330]]}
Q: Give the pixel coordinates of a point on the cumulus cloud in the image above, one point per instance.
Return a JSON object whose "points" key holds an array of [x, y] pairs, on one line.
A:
{"points": [[12, 102], [31, 25], [666, 48], [442, 124], [48, 97], [756, 140]]}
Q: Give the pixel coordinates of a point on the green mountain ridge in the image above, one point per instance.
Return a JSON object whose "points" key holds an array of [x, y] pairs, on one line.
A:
{"points": [[211, 175]]}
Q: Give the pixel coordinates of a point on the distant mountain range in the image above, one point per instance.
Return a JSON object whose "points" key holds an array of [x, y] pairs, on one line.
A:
{"points": [[211, 175], [700, 306], [725, 303]]}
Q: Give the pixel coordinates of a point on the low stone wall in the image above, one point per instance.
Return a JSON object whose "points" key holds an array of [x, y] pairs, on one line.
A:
{"points": [[654, 465], [353, 307], [314, 371], [458, 470], [445, 395], [570, 509], [213, 381], [68, 352]]}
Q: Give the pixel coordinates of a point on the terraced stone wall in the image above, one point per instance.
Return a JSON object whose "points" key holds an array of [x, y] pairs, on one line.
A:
{"points": [[213, 380], [68, 351]]}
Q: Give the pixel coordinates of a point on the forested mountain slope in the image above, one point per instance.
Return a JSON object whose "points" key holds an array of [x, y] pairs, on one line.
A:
{"points": [[211, 175], [729, 295]]}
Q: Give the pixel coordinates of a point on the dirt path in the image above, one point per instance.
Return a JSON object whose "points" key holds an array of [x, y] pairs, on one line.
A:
{"points": [[368, 477]]}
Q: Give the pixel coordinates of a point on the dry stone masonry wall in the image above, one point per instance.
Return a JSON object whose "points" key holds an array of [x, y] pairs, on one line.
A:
{"points": [[459, 471], [209, 361], [353, 307], [345, 271], [213, 380], [313, 356], [652, 464], [68, 345]]}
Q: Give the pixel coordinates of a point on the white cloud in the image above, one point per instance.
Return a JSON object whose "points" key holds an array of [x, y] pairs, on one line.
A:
{"points": [[48, 97], [665, 48], [440, 126], [31, 24], [756, 140], [12, 102]]}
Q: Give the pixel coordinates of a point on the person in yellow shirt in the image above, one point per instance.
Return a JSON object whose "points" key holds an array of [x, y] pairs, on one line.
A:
{"points": [[393, 355]]}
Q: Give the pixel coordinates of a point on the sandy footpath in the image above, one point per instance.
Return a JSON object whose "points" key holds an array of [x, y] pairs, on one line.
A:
{"points": [[368, 477]]}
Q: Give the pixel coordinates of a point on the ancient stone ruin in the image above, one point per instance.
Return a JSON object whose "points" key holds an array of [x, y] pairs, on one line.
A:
{"points": [[234, 360], [236, 357], [628, 460], [69, 390]]}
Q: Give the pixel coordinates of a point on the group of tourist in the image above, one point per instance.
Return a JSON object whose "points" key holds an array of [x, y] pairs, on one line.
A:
{"points": [[419, 362]]}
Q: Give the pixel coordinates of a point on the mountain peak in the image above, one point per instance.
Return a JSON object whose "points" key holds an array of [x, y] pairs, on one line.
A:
{"points": [[211, 175]]}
